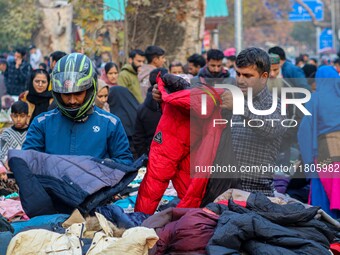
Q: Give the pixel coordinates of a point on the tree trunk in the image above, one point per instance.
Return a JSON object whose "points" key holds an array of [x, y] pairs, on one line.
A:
{"points": [[113, 31], [176, 26], [56, 33]]}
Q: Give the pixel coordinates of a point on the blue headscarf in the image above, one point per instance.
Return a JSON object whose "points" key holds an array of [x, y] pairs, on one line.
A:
{"points": [[325, 109]]}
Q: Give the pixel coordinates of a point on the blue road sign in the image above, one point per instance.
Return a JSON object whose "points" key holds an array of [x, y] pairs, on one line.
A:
{"points": [[300, 14], [326, 40]]}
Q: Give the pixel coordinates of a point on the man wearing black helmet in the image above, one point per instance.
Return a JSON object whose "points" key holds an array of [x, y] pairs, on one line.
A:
{"points": [[76, 126]]}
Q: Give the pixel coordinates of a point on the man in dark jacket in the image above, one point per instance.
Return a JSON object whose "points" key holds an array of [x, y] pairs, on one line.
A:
{"points": [[148, 116], [214, 67], [17, 73]]}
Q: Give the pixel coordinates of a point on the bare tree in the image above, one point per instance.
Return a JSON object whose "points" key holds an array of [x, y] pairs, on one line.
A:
{"points": [[175, 25]]}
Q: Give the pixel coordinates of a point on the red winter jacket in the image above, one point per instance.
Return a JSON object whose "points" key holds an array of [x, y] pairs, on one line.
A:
{"points": [[181, 131]]}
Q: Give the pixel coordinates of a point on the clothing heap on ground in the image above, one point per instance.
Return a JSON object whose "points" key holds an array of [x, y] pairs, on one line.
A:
{"points": [[237, 222]]}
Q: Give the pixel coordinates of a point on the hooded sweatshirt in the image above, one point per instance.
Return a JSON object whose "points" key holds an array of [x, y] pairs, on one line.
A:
{"points": [[143, 78], [128, 78]]}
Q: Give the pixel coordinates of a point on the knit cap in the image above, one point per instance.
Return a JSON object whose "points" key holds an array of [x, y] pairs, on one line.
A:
{"points": [[274, 59]]}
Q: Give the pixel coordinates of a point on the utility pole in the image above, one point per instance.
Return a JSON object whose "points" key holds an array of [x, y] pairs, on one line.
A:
{"points": [[215, 34], [336, 11], [238, 26], [334, 30], [318, 32]]}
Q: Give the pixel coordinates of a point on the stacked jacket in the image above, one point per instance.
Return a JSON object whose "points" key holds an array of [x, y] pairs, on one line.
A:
{"points": [[182, 132], [134, 241], [182, 230], [267, 228], [50, 184]]}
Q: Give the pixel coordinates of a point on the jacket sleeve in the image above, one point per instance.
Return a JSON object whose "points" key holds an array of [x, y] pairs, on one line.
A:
{"points": [[305, 138], [307, 133], [35, 138], [138, 137], [164, 165], [212, 102], [119, 148]]}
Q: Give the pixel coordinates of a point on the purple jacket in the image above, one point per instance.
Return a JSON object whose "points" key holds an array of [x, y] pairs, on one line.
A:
{"points": [[182, 230]]}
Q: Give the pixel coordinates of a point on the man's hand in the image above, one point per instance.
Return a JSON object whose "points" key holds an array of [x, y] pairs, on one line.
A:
{"points": [[3, 177], [156, 94], [7, 166], [227, 100]]}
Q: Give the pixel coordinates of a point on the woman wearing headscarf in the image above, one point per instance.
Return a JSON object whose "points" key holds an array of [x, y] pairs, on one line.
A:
{"points": [[319, 141], [102, 95], [109, 74], [124, 105], [37, 97]]}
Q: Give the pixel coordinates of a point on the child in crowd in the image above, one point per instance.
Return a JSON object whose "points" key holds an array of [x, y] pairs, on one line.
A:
{"points": [[13, 137]]}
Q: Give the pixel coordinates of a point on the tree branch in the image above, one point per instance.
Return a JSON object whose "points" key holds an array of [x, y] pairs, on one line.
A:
{"points": [[156, 30], [134, 25], [311, 13]]}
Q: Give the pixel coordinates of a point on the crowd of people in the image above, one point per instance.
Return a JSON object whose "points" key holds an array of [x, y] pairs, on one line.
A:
{"points": [[69, 106]]}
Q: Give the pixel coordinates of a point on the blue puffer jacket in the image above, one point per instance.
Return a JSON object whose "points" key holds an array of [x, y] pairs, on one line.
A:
{"points": [[102, 135], [52, 184]]}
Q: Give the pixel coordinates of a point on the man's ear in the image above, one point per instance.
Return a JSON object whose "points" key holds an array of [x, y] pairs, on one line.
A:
{"points": [[130, 60], [264, 77]]}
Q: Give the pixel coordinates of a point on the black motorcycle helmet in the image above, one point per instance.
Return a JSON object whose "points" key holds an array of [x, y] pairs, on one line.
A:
{"points": [[74, 73]]}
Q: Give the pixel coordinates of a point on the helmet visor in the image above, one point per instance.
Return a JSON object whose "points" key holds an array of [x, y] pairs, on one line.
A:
{"points": [[71, 82]]}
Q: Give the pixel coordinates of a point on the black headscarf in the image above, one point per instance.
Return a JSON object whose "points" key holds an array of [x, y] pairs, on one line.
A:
{"points": [[40, 100], [124, 105]]}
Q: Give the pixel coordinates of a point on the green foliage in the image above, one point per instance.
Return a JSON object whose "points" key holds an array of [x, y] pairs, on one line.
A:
{"points": [[88, 14], [20, 19]]}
